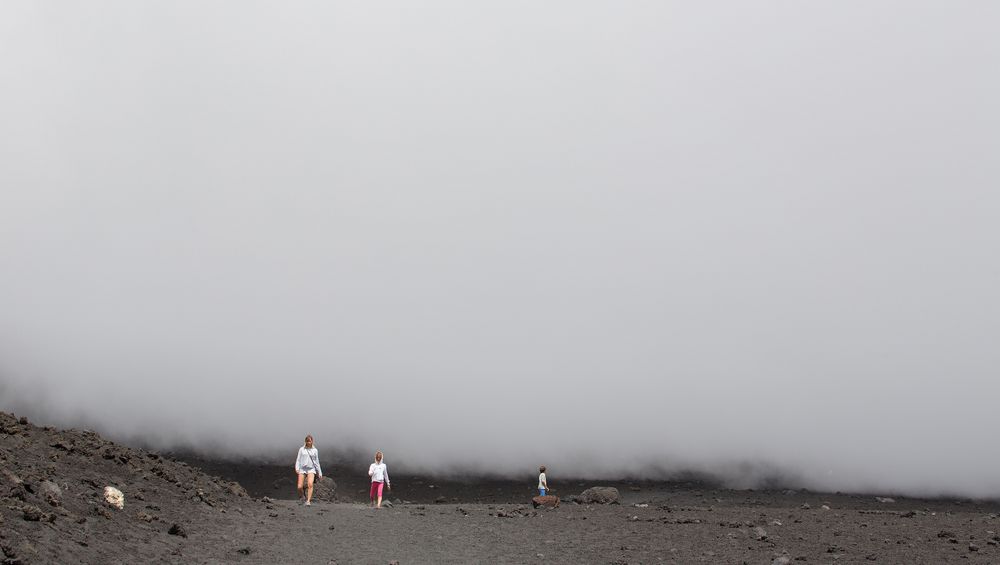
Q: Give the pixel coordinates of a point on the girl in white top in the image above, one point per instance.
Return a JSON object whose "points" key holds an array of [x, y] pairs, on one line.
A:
{"points": [[543, 484], [380, 476], [307, 467]]}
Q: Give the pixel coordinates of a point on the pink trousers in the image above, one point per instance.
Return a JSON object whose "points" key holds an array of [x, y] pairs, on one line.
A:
{"points": [[376, 490]]}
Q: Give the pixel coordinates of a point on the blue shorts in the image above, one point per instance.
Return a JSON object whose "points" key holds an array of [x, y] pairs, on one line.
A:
{"points": [[541, 492]]}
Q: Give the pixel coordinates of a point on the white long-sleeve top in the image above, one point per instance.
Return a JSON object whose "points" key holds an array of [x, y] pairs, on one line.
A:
{"points": [[379, 473], [308, 459]]}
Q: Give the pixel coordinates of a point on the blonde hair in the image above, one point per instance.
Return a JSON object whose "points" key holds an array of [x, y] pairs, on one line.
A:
{"points": [[378, 456]]}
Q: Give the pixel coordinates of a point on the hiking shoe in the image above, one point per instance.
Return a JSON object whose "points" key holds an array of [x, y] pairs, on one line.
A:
{"points": [[308, 503]]}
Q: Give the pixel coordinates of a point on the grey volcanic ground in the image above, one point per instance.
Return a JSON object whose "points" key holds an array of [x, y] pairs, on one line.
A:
{"points": [[185, 512]]}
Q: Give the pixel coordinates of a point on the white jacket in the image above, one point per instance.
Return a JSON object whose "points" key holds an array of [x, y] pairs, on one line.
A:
{"points": [[378, 472], [308, 459]]}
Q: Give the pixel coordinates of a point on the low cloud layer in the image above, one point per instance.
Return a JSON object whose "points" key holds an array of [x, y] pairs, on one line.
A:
{"points": [[753, 240]]}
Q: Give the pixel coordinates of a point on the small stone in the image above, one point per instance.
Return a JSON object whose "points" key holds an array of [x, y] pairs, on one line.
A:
{"points": [[973, 547], [885, 500], [805, 506], [550, 501], [783, 560], [824, 507], [177, 530], [759, 534], [51, 493], [32, 513]]}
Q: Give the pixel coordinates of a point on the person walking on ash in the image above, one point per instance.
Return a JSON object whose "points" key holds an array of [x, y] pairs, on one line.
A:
{"points": [[307, 468], [380, 477]]}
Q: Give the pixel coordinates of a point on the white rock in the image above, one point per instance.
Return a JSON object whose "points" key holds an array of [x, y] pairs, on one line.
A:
{"points": [[114, 497]]}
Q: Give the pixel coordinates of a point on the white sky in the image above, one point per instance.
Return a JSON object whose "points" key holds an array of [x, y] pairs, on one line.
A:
{"points": [[605, 236]]}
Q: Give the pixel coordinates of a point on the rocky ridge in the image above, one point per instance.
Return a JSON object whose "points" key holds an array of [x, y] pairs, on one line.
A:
{"points": [[53, 507]]}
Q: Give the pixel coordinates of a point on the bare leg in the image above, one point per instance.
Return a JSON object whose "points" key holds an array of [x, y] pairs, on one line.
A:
{"points": [[301, 493], [379, 505], [309, 492]]}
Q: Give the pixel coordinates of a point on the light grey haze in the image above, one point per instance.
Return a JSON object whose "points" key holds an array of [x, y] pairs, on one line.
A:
{"points": [[604, 236]]}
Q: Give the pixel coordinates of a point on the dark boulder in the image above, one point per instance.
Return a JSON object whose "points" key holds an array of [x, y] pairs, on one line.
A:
{"points": [[599, 495], [325, 490]]}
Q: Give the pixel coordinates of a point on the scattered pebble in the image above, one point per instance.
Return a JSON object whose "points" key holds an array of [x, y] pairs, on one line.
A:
{"points": [[32, 513]]}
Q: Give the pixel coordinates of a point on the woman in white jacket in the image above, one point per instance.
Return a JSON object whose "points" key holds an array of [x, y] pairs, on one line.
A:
{"points": [[307, 467], [380, 476]]}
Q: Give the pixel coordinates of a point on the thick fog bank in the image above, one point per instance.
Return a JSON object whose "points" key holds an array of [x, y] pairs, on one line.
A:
{"points": [[512, 442], [618, 239]]}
